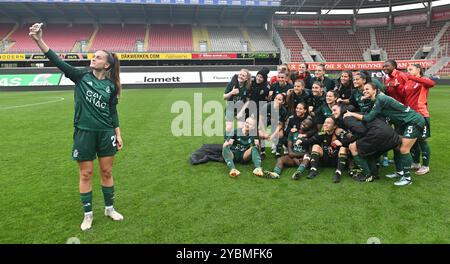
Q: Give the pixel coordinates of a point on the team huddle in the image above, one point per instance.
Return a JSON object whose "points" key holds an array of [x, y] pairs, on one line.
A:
{"points": [[348, 124]]}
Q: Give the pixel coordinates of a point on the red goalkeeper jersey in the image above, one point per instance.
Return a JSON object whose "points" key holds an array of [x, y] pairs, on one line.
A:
{"points": [[395, 85], [416, 93]]}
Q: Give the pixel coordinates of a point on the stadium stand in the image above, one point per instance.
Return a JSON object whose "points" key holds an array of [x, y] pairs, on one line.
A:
{"points": [[118, 38], [196, 38], [58, 36], [162, 38], [177, 38], [292, 42], [332, 41], [446, 37], [5, 29], [226, 39], [444, 72], [260, 40], [402, 42]]}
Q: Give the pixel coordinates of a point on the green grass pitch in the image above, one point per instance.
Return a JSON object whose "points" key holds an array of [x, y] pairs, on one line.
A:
{"points": [[166, 200]]}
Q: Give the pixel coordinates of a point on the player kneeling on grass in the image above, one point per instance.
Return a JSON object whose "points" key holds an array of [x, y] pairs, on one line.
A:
{"points": [[96, 122], [243, 146], [297, 154]]}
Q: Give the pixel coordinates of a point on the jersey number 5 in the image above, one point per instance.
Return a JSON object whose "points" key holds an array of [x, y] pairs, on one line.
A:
{"points": [[409, 130]]}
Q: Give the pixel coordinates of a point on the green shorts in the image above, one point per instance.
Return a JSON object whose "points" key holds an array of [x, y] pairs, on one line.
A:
{"points": [[411, 130], [426, 133], [238, 156], [89, 144]]}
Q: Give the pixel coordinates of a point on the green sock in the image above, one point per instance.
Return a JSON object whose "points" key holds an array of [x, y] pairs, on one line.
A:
{"points": [[306, 160], [362, 163], [342, 160], [256, 158], [397, 161], [301, 168], [425, 148], [406, 161], [314, 160], [277, 170], [228, 157], [86, 200], [108, 195], [415, 152]]}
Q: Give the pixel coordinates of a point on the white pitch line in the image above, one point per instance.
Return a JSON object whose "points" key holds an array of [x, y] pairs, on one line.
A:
{"points": [[59, 99]]}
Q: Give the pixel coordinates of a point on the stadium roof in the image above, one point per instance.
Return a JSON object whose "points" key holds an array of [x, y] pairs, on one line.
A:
{"points": [[133, 11], [58, 12], [346, 4]]}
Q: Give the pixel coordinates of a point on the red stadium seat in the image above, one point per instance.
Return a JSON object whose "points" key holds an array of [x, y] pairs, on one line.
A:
{"points": [[118, 38], [401, 44], [4, 30], [59, 37], [331, 42], [445, 71], [292, 42], [165, 38]]}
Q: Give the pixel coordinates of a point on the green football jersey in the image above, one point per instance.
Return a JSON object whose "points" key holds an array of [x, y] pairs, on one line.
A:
{"points": [[363, 105], [379, 84], [276, 88], [322, 113], [304, 97], [328, 84], [241, 143], [396, 112], [95, 100], [241, 96], [297, 148], [316, 101], [269, 110]]}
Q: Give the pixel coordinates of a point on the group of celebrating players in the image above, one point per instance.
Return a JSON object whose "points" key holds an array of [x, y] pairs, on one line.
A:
{"points": [[314, 121], [349, 123]]}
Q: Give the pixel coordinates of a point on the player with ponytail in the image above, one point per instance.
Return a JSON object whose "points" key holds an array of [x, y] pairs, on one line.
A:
{"points": [[96, 122]]}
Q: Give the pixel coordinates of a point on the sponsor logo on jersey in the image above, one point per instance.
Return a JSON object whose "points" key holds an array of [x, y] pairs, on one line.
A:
{"points": [[90, 83], [108, 90], [95, 99]]}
